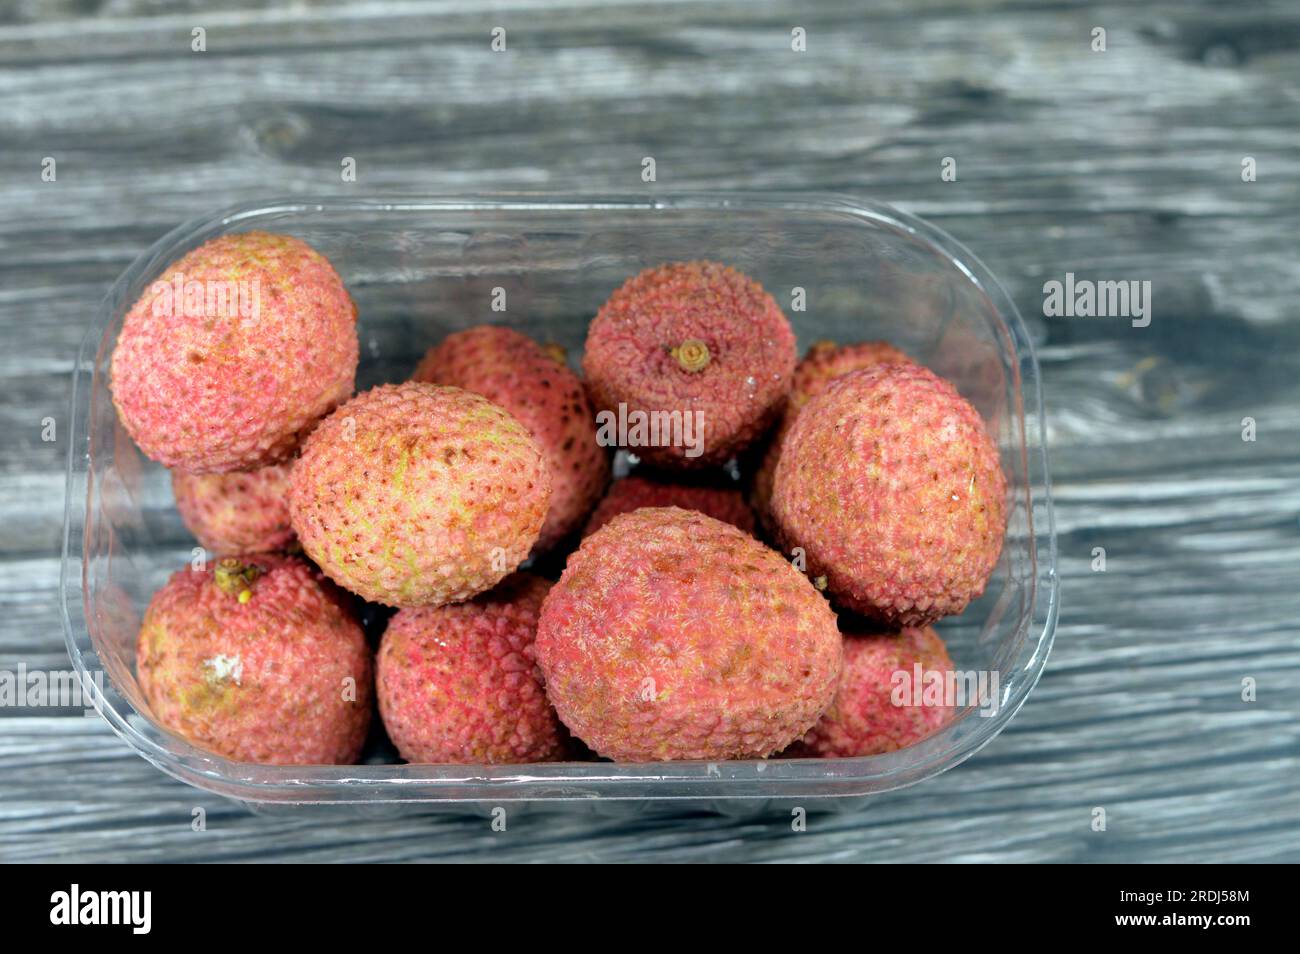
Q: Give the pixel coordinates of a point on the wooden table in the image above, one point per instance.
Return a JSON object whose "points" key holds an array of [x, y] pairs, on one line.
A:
{"points": [[1122, 164]]}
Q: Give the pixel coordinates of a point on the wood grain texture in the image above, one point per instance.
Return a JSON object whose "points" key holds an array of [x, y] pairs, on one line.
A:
{"points": [[1124, 165]]}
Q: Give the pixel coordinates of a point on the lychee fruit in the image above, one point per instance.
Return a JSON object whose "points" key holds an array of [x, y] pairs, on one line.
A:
{"points": [[238, 512], [892, 487], [512, 370], [234, 353], [689, 363], [635, 491], [883, 701], [259, 659], [416, 494], [460, 683], [824, 362], [672, 635]]}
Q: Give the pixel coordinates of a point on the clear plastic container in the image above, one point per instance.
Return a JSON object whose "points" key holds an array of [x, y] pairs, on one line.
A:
{"points": [[421, 268]]}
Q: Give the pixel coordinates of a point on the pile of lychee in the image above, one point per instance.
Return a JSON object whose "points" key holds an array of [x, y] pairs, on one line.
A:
{"points": [[787, 534]]}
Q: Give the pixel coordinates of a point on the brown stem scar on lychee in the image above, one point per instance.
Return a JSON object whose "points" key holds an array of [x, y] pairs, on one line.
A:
{"points": [[820, 582], [556, 352], [692, 354], [235, 578]]}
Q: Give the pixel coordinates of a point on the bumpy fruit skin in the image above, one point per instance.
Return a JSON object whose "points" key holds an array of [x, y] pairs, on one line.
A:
{"points": [[634, 492], [692, 337], [282, 676], [460, 683], [512, 370], [240, 512], [863, 719], [417, 495], [672, 635], [892, 486], [824, 362], [209, 389]]}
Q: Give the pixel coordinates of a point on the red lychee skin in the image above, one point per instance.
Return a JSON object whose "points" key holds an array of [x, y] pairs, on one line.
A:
{"points": [[672, 635], [239, 512], [892, 486], [214, 392], [460, 683], [863, 719], [824, 362], [512, 370], [630, 360], [417, 495], [284, 678], [633, 493]]}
